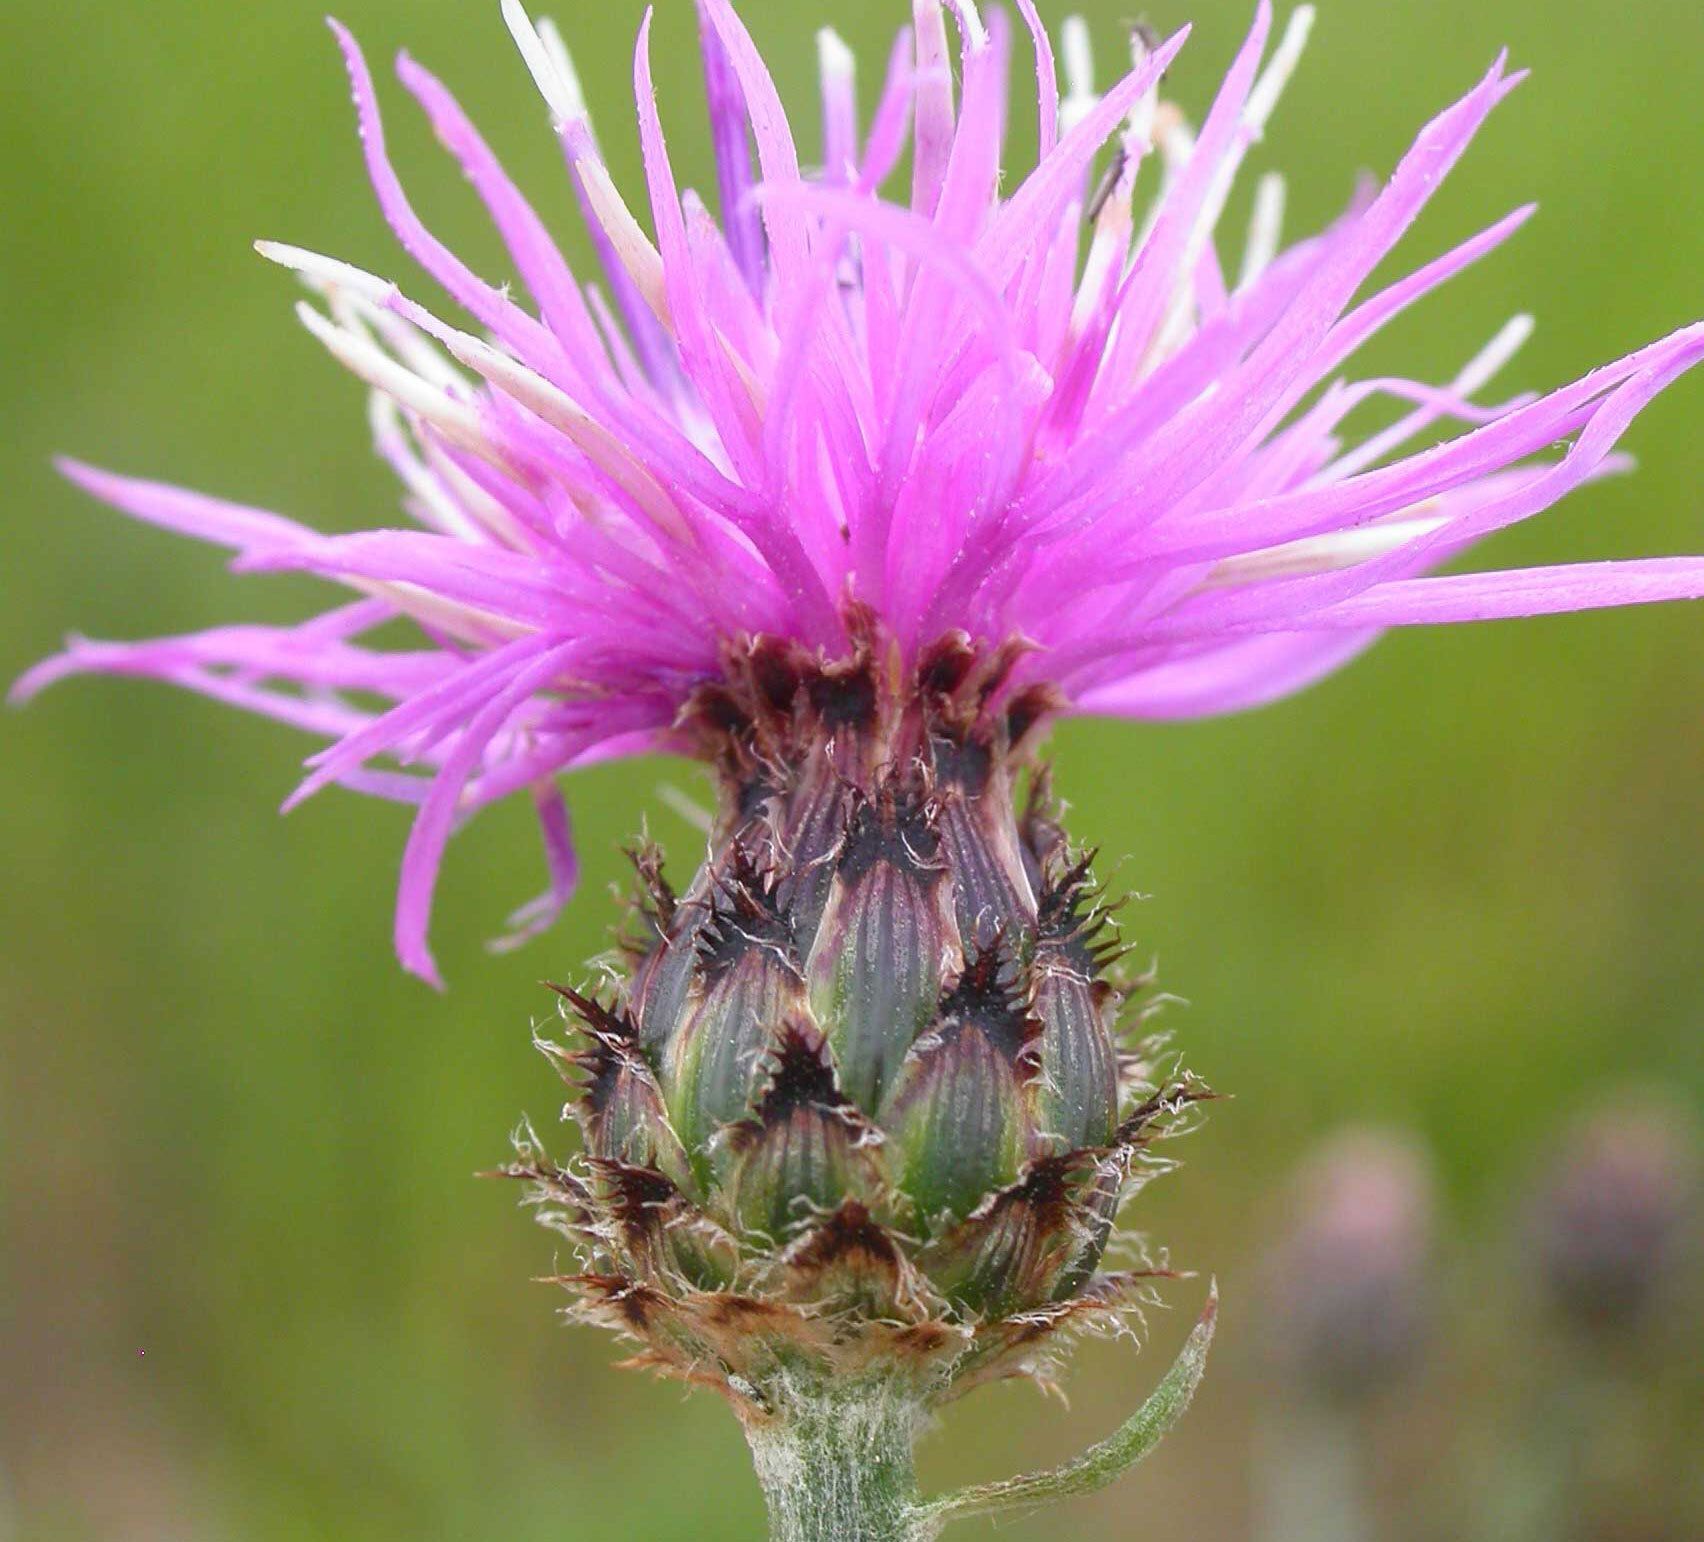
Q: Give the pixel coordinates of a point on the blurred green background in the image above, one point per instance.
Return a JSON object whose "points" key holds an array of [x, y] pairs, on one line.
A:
{"points": [[250, 1287]]}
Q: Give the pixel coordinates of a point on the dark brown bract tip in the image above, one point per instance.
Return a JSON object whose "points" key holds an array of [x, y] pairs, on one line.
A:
{"points": [[801, 1073], [1156, 1116], [745, 913], [991, 995], [654, 896], [898, 824]]}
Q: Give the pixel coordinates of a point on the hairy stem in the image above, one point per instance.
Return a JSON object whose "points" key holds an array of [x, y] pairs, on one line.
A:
{"points": [[835, 1462], [835, 1457]]}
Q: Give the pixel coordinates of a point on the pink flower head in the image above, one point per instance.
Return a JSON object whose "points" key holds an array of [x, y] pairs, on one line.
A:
{"points": [[1046, 410]]}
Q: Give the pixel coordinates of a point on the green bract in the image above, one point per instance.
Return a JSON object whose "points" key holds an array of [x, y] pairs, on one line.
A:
{"points": [[858, 1105]]}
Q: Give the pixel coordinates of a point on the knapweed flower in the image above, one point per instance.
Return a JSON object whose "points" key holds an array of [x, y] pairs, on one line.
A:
{"points": [[850, 491], [1045, 416]]}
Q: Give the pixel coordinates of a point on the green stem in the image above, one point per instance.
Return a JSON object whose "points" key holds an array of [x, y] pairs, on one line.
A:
{"points": [[835, 1458], [835, 1462], [1310, 1475]]}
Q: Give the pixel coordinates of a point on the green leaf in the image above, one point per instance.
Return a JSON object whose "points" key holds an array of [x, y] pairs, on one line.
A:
{"points": [[1100, 1464]]}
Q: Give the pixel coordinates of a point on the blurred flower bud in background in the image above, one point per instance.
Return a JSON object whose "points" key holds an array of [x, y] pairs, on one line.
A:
{"points": [[1609, 1224], [1346, 1309], [1348, 1288], [1601, 1442]]}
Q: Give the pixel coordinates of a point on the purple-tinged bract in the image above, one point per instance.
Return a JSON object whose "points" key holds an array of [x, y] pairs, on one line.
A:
{"points": [[1045, 412]]}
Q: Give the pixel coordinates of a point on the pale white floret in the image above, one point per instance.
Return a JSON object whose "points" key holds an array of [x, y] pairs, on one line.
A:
{"points": [[460, 425], [414, 348], [556, 49], [326, 274], [1263, 99], [1322, 553], [464, 517], [1488, 363], [360, 302], [1475, 375], [395, 443], [1108, 248], [1141, 120], [1175, 140], [1257, 112], [931, 100], [1265, 228], [688, 807], [479, 503], [970, 22], [839, 72], [544, 64], [555, 407], [1077, 57], [642, 260], [1115, 218], [470, 623], [457, 421], [836, 59], [466, 622]]}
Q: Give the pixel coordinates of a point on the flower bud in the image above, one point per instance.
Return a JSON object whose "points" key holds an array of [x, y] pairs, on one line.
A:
{"points": [[861, 1097], [1348, 1286], [1607, 1225]]}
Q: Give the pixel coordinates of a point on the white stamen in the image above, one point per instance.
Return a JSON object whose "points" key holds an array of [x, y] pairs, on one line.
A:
{"points": [[644, 263], [970, 22], [1257, 112], [360, 301], [480, 505], [469, 519], [1110, 244], [416, 350], [839, 72], [326, 274], [394, 443], [563, 413], [556, 46], [1175, 140], [470, 623], [1276, 76], [1322, 553], [837, 61], [405, 340], [1077, 57], [456, 421], [1488, 363], [1475, 375], [1265, 228], [1147, 106], [546, 72]]}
